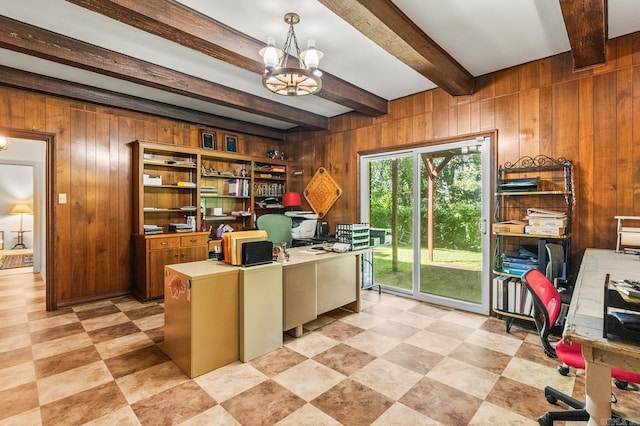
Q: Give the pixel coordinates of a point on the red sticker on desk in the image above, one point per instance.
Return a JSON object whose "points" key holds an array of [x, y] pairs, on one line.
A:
{"points": [[176, 287]]}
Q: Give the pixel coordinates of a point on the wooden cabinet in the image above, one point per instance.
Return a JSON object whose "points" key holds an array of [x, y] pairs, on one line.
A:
{"points": [[154, 252], [225, 190], [269, 183], [531, 184], [203, 188], [166, 181]]}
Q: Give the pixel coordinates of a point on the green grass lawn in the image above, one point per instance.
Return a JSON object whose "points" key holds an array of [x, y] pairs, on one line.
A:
{"points": [[454, 273]]}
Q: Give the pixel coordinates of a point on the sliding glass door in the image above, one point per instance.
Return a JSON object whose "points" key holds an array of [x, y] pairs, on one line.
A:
{"points": [[429, 208]]}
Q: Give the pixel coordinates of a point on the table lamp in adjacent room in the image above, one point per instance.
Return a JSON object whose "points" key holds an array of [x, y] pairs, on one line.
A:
{"points": [[21, 209], [291, 199]]}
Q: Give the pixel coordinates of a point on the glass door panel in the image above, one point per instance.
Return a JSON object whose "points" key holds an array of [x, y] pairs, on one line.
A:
{"points": [[391, 214], [450, 210], [427, 209]]}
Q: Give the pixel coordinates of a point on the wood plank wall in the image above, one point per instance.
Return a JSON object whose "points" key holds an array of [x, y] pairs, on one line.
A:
{"points": [[92, 252], [591, 117]]}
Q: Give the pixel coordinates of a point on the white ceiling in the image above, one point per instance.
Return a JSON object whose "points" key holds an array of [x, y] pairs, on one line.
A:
{"points": [[483, 36]]}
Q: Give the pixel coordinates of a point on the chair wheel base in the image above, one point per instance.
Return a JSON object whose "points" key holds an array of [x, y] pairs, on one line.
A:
{"points": [[543, 421], [620, 384]]}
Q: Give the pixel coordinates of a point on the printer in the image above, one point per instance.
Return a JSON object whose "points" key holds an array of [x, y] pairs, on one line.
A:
{"points": [[304, 224]]}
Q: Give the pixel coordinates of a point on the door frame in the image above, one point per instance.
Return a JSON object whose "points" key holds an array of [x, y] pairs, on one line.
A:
{"points": [[50, 268], [489, 175]]}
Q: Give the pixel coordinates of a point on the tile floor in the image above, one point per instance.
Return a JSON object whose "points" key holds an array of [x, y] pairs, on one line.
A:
{"points": [[398, 362]]}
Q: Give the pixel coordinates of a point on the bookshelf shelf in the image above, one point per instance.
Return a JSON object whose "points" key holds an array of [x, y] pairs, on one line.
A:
{"points": [[538, 190]]}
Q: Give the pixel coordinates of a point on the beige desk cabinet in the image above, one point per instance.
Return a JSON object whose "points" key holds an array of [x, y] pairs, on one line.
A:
{"points": [[299, 295], [153, 252], [201, 316], [318, 283], [260, 289]]}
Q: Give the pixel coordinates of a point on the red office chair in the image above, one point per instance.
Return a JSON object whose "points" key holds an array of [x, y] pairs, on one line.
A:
{"points": [[546, 302]]}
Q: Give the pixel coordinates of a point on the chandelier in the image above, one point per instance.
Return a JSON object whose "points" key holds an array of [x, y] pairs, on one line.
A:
{"points": [[4, 143], [287, 80]]}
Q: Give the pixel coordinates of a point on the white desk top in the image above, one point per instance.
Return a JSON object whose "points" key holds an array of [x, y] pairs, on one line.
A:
{"points": [[585, 320], [297, 256]]}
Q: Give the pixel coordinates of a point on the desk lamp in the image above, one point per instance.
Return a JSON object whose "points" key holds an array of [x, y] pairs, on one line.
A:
{"points": [[21, 209], [291, 199]]}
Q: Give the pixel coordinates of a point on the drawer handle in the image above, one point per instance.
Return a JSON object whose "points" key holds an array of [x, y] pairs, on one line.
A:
{"points": [[181, 254], [193, 241], [164, 243]]}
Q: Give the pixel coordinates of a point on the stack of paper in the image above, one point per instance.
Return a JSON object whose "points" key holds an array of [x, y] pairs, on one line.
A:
{"points": [[545, 222], [152, 229], [629, 288]]}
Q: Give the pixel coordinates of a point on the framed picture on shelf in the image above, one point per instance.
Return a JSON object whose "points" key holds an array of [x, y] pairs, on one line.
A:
{"points": [[208, 140], [231, 143]]}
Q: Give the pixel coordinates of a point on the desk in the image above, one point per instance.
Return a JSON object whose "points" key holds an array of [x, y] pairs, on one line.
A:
{"points": [[216, 313], [585, 322]]}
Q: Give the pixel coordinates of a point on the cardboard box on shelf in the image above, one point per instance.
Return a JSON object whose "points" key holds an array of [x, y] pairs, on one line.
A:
{"points": [[151, 180], [510, 226], [544, 230]]}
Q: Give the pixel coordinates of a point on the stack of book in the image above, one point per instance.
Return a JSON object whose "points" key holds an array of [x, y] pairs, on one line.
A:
{"points": [[519, 262], [629, 288], [152, 229], [180, 227], [545, 222], [236, 187], [208, 191], [510, 295]]}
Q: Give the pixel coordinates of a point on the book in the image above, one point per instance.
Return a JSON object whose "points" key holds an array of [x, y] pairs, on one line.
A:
{"points": [[231, 187], [535, 213], [629, 288], [548, 221], [528, 303], [544, 230]]}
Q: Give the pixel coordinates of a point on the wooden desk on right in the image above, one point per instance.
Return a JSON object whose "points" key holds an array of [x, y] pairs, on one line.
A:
{"points": [[585, 323]]}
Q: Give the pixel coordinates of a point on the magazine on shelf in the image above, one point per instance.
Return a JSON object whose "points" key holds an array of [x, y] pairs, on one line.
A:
{"points": [[537, 213]]}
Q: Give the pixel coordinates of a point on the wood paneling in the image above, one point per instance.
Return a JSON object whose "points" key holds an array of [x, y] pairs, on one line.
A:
{"points": [[91, 255], [591, 117]]}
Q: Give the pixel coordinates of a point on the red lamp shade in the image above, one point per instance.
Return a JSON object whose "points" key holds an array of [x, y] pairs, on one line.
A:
{"points": [[290, 199]]}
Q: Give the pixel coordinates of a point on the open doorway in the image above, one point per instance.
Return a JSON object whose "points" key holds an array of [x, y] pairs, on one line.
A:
{"points": [[24, 213], [17, 233]]}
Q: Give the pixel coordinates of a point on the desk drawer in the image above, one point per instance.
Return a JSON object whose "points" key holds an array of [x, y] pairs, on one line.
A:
{"points": [[164, 243], [194, 240]]}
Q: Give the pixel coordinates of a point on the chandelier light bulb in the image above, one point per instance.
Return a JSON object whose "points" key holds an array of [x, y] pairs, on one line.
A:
{"points": [[4, 143], [312, 56], [271, 54]]}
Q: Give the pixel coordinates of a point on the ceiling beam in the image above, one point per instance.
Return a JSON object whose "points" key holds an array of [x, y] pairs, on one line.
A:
{"points": [[385, 24], [173, 21], [34, 41], [586, 24], [52, 86]]}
